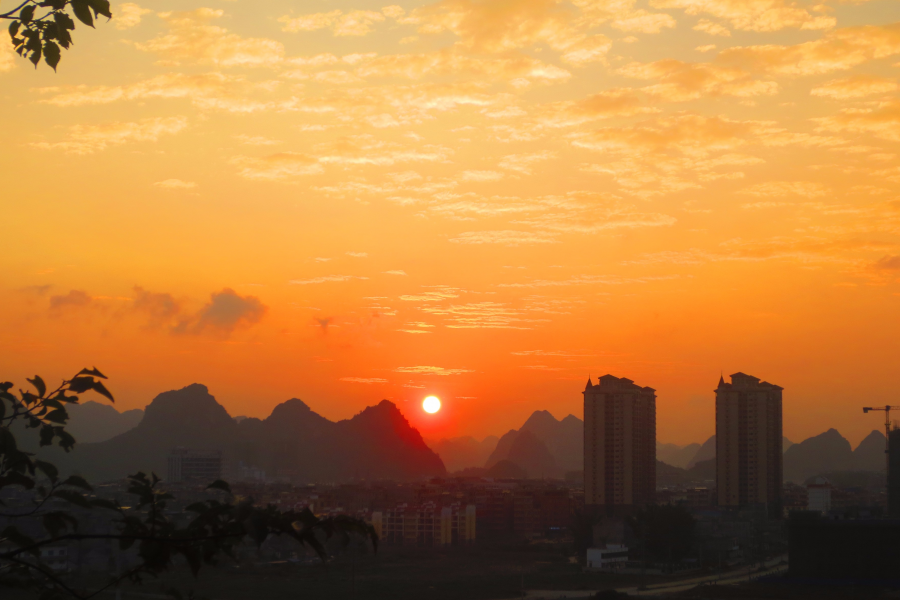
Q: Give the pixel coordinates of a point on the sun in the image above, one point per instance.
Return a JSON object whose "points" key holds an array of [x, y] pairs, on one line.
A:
{"points": [[431, 404]]}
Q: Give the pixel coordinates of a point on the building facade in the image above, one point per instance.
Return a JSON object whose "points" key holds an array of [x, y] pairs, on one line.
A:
{"points": [[748, 443], [619, 445], [426, 525], [194, 465]]}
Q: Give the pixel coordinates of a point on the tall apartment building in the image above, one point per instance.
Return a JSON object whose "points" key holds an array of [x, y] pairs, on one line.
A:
{"points": [[194, 465], [748, 443], [619, 445]]}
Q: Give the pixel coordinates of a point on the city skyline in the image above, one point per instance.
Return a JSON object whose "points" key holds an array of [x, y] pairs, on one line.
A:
{"points": [[348, 201]]}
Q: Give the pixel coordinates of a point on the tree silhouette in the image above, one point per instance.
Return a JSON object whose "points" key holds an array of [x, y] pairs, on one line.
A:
{"points": [[41, 29], [214, 530]]}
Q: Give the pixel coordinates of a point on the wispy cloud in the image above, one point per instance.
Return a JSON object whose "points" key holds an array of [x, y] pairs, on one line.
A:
{"points": [[325, 279], [425, 370]]}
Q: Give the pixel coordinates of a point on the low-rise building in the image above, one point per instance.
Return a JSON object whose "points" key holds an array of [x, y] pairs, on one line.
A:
{"points": [[426, 525], [607, 557]]}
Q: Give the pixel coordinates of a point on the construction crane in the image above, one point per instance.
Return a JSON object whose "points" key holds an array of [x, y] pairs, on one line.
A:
{"points": [[887, 433]]}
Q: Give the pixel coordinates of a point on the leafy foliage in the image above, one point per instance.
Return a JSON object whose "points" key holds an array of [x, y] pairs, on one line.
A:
{"points": [[41, 29], [213, 527]]}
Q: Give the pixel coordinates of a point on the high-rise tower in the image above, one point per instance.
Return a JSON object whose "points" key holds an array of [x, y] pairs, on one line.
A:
{"points": [[748, 443], [619, 445]]}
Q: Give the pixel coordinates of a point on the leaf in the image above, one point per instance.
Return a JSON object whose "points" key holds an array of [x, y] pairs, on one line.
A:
{"points": [[27, 14], [13, 32], [48, 469], [19, 539], [79, 384], [58, 521], [15, 478], [101, 389], [52, 55], [72, 498], [58, 415], [218, 484], [101, 7], [82, 11], [64, 21], [37, 382], [92, 372], [104, 503], [76, 481]]}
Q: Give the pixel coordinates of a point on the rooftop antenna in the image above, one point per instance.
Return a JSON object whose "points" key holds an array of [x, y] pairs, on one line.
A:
{"points": [[887, 435]]}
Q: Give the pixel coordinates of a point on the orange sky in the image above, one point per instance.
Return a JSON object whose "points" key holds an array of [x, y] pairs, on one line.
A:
{"points": [[345, 201]]}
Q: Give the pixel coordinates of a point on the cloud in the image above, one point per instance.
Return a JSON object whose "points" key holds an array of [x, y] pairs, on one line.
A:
{"points": [[208, 91], [256, 140], [856, 86], [642, 21], [225, 312], [129, 15], [87, 139], [325, 279], [283, 166], [176, 184], [363, 379], [358, 254], [353, 23], [423, 370], [588, 280], [192, 38], [619, 102], [523, 162], [681, 81], [753, 15], [436, 294], [482, 315], [395, 272], [481, 176], [882, 122], [8, 57], [837, 50], [774, 189], [73, 299], [160, 308], [889, 263], [506, 237], [712, 28]]}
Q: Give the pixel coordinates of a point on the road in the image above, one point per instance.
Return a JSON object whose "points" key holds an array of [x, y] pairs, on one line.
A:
{"points": [[770, 567]]}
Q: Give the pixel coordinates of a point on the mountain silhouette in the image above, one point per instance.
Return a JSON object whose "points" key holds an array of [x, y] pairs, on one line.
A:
{"points": [[294, 441], [826, 452], [94, 422], [533, 456], [563, 439], [676, 456], [706, 451], [869, 455], [464, 452]]}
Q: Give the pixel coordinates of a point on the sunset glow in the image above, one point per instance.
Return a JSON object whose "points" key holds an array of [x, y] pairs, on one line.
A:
{"points": [[348, 201]]}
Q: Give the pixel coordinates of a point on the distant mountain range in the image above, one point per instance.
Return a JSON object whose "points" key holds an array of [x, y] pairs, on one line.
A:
{"points": [[94, 422], [293, 441], [464, 452], [378, 443], [686, 457], [825, 453], [543, 446]]}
